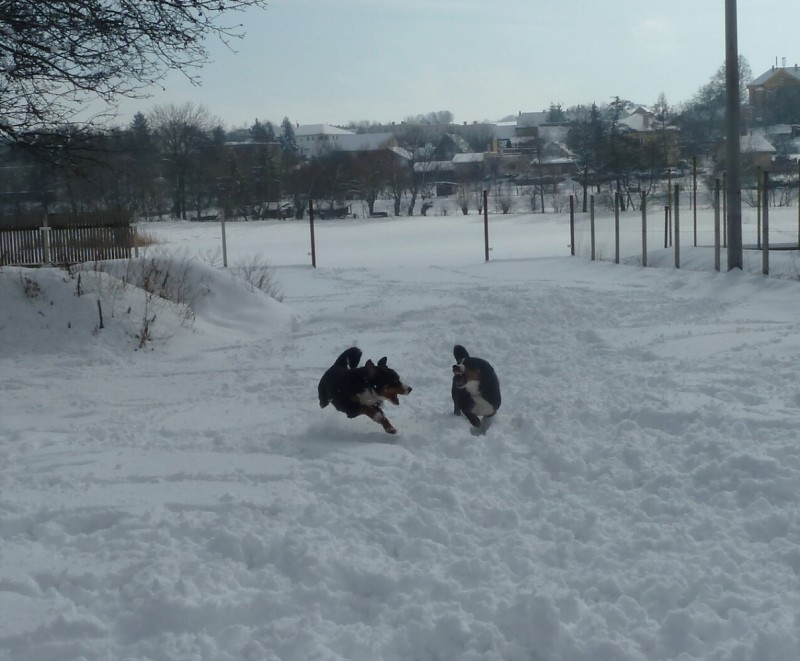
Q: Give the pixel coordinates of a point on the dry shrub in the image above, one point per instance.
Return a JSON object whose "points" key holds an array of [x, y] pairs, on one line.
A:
{"points": [[258, 274]]}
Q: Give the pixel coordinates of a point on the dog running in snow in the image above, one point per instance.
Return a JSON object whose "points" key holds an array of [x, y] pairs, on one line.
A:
{"points": [[358, 391], [475, 390]]}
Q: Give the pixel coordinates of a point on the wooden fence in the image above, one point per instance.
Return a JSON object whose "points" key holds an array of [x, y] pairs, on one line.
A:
{"points": [[66, 244]]}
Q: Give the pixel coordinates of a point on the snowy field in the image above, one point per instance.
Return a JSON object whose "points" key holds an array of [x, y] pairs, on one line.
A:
{"points": [[637, 498]]}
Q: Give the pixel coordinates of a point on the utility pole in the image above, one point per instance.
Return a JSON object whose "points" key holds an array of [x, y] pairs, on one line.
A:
{"points": [[732, 128]]}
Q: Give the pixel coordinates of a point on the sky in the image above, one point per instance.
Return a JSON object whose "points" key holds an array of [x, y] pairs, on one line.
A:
{"points": [[635, 498], [325, 61]]}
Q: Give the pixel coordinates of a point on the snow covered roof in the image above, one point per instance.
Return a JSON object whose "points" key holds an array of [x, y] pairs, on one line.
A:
{"points": [[756, 143], [403, 153], [469, 157], [320, 129], [640, 119], [433, 166]]}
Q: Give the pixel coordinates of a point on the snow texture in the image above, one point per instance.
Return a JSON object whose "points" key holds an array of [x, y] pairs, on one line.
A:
{"points": [[636, 499]]}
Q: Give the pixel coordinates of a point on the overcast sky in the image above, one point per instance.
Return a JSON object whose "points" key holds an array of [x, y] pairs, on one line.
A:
{"points": [[335, 61]]}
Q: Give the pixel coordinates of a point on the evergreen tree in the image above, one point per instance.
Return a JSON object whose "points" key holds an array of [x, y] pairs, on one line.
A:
{"points": [[288, 140]]}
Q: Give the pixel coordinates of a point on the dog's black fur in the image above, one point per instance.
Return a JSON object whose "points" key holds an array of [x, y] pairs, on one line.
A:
{"points": [[475, 389], [358, 391]]}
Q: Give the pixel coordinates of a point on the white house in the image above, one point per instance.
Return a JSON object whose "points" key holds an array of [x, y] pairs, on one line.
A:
{"points": [[312, 139]]}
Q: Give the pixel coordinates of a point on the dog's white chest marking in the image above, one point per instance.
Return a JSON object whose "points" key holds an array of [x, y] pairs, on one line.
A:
{"points": [[481, 406]]}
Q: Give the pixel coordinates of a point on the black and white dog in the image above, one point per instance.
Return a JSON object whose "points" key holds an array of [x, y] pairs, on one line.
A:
{"points": [[358, 391], [475, 390]]}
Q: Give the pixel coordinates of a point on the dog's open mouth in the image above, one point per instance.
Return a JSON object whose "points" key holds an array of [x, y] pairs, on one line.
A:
{"points": [[394, 400]]}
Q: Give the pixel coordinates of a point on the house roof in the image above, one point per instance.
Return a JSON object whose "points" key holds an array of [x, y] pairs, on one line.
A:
{"points": [[640, 119], [364, 141], [531, 118], [433, 166], [794, 72], [320, 129], [753, 143], [470, 157]]}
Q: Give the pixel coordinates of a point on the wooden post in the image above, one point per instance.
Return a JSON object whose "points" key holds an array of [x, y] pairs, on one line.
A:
{"points": [[616, 227], [644, 228], [758, 207], [486, 224], [311, 225], [666, 226], [677, 229], [798, 203], [45, 231], [717, 247], [694, 196], [765, 225], [591, 223], [572, 225]]}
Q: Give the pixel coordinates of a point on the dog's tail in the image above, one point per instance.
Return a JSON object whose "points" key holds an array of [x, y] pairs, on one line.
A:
{"points": [[349, 358], [460, 353]]}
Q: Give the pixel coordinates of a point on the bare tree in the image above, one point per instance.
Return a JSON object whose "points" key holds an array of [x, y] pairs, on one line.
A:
{"points": [[59, 57], [182, 132]]}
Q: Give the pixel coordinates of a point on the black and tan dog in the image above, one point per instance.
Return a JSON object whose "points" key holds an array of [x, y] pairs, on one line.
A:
{"points": [[361, 390], [475, 389]]}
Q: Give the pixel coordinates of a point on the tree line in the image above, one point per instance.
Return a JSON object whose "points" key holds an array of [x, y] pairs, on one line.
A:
{"points": [[179, 162]]}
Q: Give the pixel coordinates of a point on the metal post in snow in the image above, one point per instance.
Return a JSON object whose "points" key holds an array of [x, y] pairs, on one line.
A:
{"points": [[311, 225], [486, 224], [669, 204], [677, 229], [733, 155], [694, 196], [616, 226], [644, 228], [666, 226], [591, 223], [765, 226], [572, 225], [716, 225], [724, 209]]}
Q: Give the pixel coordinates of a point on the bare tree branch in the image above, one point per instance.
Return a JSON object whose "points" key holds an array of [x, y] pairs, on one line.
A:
{"points": [[58, 57]]}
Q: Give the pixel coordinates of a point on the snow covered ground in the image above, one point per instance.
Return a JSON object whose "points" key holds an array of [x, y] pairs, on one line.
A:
{"points": [[636, 499]]}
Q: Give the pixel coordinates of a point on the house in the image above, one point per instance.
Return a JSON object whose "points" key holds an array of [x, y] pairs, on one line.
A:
{"points": [[757, 151], [774, 97], [654, 136], [314, 139], [469, 166]]}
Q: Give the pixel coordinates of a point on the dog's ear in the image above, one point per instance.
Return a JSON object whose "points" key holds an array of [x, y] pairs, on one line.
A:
{"points": [[370, 366], [382, 362]]}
